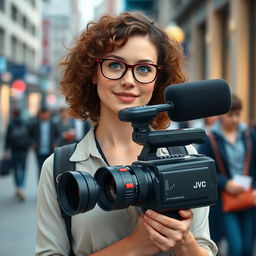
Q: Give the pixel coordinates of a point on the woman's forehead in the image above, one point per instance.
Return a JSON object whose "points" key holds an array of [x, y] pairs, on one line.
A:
{"points": [[136, 48]]}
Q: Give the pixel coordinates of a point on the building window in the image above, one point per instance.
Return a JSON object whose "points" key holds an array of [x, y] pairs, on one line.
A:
{"points": [[2, 5], [24, 54], [33, 30], [14, 45], [14, 13], [225, 43], [32, 59], [24, 22], [1, 41]]}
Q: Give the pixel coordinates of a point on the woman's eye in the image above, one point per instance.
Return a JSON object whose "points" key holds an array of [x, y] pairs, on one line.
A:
{"points": [[143, 69], [116, 65]]}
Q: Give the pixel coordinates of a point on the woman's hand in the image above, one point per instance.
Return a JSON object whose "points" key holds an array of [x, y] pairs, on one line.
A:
{"points": [[166, 232], [233, 188], [155, 233], [254, 197], [141, 241]]}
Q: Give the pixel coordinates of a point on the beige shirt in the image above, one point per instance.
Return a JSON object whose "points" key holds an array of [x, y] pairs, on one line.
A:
{"points": [[95, 229]]}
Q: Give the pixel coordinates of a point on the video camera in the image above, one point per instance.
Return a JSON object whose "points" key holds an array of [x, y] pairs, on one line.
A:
{"points": [[162, 183]]}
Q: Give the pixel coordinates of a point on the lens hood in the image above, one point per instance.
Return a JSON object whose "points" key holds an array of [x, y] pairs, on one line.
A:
{"points": [[77, 192]]}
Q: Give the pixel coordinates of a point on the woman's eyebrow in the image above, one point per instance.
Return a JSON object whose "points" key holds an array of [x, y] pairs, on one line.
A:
{"points": [[122, 59], [116, 57]]}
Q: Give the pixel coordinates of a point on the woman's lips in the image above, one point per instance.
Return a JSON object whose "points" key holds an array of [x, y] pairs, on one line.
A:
{"points": [[126, 97]]}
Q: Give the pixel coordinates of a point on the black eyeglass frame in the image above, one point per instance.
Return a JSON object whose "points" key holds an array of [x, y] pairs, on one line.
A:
{"points": [[159, 68]]}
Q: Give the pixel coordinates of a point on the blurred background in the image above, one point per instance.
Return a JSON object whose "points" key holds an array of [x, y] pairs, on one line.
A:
{"points": [[218, 38]]}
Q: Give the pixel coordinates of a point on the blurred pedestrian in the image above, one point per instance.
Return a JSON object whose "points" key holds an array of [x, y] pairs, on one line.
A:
{"points": [[208, 122], [70, 129], [233, 139], [17, 143], [45, 136], [66, 126], [81, 128]]}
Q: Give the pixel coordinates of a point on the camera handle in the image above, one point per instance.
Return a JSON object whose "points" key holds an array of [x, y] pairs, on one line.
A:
{"points": [[140, 118]]}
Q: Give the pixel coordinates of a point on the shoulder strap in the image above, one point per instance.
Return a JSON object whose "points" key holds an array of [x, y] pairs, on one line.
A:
{"points": [[62, 164], [61, 160], [248, 152], [217, 155]]}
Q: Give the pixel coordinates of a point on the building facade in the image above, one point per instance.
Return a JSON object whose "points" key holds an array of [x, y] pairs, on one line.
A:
{"points": [[60, 25], [220, 42], [20, 55]]}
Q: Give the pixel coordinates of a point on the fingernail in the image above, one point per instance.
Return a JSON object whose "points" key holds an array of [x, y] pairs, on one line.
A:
{"points": [[148, 212]]}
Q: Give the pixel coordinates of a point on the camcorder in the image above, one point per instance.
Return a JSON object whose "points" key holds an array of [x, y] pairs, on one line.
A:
{"points": [[163, 183]]}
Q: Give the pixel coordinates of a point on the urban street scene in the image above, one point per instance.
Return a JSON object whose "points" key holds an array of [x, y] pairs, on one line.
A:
{"points": [[128, 127]]}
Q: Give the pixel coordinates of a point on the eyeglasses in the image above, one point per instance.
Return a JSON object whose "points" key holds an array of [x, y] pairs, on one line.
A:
{"points": [[144, 73]]}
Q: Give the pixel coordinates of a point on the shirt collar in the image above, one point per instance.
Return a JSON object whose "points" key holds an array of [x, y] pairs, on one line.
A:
{"points": [[86, 148]]}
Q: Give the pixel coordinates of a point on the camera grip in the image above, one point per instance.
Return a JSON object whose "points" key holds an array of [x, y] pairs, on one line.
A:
{"points": [[172, 213]]}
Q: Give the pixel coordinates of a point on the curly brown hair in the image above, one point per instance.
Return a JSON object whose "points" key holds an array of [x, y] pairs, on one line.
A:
{"points": [[103, 37]]}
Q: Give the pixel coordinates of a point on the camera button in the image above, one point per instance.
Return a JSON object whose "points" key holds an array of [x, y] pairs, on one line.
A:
{"points": [[129, 185]]}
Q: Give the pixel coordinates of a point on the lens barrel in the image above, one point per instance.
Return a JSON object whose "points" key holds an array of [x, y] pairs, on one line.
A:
{"points": [[113, 187], [118, 187], [77, 192], [122, 186]]}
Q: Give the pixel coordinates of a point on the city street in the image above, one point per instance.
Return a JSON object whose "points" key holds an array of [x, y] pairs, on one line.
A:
{"points": [[17, 222]]}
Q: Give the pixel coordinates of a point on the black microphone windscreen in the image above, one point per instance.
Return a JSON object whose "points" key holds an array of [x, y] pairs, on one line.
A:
{"points": [[199, 99]]}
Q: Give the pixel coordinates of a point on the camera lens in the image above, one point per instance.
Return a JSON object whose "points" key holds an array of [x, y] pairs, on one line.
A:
{"points": [[110, 188], [73, 193], [119, 187], [77, 192]]}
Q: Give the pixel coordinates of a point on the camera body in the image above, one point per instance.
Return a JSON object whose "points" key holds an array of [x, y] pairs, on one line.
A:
{"points": [[164, 183], [182, 182]]}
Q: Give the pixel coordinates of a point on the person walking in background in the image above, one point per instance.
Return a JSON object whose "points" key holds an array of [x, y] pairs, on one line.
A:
{"points": [[66, 128], [235, 143], [45, 136], [71, 130], [81, 128], [208, 122], [17, 143]]}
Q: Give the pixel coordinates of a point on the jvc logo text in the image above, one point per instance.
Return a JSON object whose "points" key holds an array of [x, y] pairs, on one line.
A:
{"points": [[200, 184]]}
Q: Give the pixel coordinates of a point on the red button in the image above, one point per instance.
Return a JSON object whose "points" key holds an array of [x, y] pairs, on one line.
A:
{"points": [[123, 170], [129, 185]]}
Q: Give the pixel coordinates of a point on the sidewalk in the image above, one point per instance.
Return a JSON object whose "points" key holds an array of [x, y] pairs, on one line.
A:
{"points": [[17, 222]]}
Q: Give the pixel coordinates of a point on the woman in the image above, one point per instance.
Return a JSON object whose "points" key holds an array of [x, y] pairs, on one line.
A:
{"points": [[118, 62], [232, 139]]}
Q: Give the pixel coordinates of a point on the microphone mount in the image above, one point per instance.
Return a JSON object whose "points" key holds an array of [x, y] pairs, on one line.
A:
{"points": [[140, 118]]}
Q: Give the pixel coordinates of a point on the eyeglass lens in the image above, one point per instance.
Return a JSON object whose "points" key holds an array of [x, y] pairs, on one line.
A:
{"points": [[114, 69]]}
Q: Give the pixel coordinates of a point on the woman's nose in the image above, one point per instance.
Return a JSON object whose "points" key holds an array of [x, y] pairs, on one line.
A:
{"points": [[128, 79]]}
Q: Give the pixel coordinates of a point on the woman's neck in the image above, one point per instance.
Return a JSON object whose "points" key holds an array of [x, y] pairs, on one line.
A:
{"points": [[115, 139], [114, 133]]}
